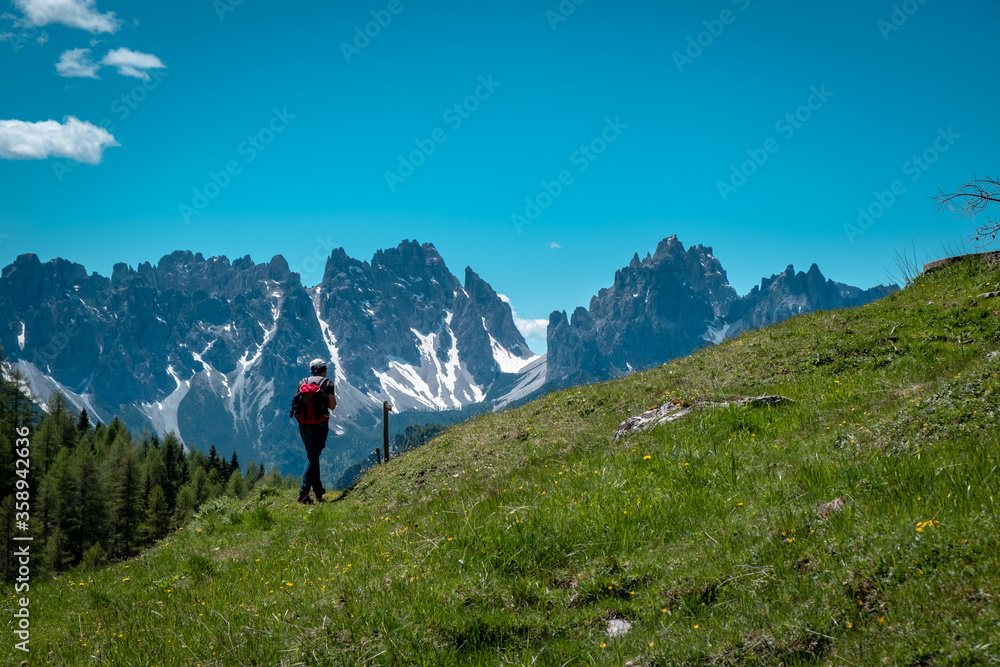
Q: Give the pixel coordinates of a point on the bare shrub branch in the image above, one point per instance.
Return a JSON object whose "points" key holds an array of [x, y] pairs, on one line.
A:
{"points": [[972, 199]]}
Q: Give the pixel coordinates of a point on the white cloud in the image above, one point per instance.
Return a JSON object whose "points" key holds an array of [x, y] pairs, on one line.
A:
{"points": [[77, 62], [132, 63], [530, 329], [554, 245], [73, 139], [73, 13]]}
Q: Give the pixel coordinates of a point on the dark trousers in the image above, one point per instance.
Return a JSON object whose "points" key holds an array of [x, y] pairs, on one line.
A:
{"points": [[314, 439]]}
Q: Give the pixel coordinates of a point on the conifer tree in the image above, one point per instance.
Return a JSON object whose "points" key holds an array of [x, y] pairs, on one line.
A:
{"points": [[196, 459], [110, 433], [55, 552], [45, 509], [254, 473], [216, 469], [15, 411], [94, 557], [55, 431], [7, 564], [157, 521], [202, 485], [60, 413], [187, 502], [126, 503], [21, 396], [156, 470], [237, 486], [214, 460], [85, 513], [84, 423], [174, 464]]}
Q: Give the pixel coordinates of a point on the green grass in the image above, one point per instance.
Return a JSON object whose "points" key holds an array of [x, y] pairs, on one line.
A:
{"points": [[514, 537]]}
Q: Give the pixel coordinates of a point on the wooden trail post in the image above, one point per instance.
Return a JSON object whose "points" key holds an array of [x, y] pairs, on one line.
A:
{"points": [[386, 409]]}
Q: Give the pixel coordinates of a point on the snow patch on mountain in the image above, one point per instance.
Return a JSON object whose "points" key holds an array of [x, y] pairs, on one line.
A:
{"points": [[217, 381], [432, 383], [163, 414], [249, 393], [328, 338], [716, 332], [41, 387], [246, 393], [531, 380], [20, 336], [507, 362]]}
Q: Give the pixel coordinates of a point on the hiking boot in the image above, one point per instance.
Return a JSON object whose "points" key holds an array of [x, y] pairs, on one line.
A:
{"points": [[304, 500], [321, 497]]}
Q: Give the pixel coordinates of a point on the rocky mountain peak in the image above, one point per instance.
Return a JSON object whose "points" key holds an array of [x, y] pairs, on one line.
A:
{"points": [[672, 302], [339, 262], [243, 263], [789, 293], [121, 273], [209, 348], [668, 247], [657, 307], [212, 348], [277, 268]]}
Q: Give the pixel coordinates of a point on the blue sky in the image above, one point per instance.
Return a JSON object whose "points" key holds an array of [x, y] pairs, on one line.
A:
{"points": [[643, 110]]}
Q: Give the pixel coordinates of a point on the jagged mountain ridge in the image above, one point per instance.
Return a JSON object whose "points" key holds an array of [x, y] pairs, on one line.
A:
{"points": [[789, 293], [672, 302], [210, 348]]}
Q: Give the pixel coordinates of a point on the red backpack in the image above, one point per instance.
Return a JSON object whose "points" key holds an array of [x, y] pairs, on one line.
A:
{"points": [[311, 404]]}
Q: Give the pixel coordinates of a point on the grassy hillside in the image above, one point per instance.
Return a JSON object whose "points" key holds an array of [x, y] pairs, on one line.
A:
{"points": [[857, 526]]}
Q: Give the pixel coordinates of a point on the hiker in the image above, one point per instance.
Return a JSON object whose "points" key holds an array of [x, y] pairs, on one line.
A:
{"points": [[311, 408]]}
